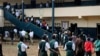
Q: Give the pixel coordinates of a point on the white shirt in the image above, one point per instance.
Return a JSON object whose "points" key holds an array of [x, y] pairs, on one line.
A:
{"points": [[47, 46], [23, 33], [8, 7], [56, 45], [38, 21], [32, 19], [47, 27], [6, 34], [15, 30], [31, 34], [73, 46], [17, 13], [23, 47]]}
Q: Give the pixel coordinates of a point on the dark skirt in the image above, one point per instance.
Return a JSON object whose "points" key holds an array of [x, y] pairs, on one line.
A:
{"points": [[70, 53], [43, 54], [80, 53], [53, 54], [97, 53], [22, 54]]}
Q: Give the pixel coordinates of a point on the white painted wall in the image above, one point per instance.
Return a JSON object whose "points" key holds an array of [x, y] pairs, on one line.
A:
{"points": [[65, 11], [69, 14], [90, 21], [1, 18]]}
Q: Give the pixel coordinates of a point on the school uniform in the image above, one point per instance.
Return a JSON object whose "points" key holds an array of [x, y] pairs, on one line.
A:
{"points": [[54, 46], [97, 47], [70, 48], [43, 47], [22, 49]]}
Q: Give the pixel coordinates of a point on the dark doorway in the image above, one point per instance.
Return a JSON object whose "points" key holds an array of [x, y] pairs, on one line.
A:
{"points": [[73, 27], [97, 1], [77, 2], [4, 4], [98, 29], [33, 3]]}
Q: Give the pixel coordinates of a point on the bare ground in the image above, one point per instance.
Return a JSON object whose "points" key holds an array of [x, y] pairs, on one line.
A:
{"points": [[11, 50]]}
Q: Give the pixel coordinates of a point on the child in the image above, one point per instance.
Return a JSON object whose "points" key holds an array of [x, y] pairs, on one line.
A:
{"points": [[22, 48], [54, 46], [70, 47], [44, 46], [88, 47]]}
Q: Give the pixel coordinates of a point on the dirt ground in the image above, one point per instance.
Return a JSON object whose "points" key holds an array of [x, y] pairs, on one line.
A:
{"points": [[11, 50]]}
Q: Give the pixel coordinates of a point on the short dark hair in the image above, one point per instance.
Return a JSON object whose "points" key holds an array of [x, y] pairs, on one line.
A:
{"points": [[22, 39], [53, 37], [70, 39], [44, 37], [88, 39]]}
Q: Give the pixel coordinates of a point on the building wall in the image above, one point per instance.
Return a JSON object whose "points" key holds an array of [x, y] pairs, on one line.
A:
{"points": [[90, 15], [85, 22], [57, 1], [14, 1], [65, 11], [90, 20], [1, 19]]}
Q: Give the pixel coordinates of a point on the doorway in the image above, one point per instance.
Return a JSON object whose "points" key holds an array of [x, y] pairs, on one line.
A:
{"points": [[64, 25], [98, 29]]}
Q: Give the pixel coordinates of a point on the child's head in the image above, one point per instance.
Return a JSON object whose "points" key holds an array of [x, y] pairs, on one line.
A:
{"points": [[88, 39], [70, 39]]}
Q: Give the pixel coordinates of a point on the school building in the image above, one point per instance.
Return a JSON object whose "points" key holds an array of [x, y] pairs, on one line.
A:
{"points": [[84, 13]]}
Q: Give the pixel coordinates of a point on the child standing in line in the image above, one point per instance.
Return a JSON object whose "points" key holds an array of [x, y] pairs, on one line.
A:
{"points": [[22, 48], [70, 47]]}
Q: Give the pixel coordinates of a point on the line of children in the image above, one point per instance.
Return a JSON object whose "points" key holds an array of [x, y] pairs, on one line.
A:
{"points": [[73, 48]]}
